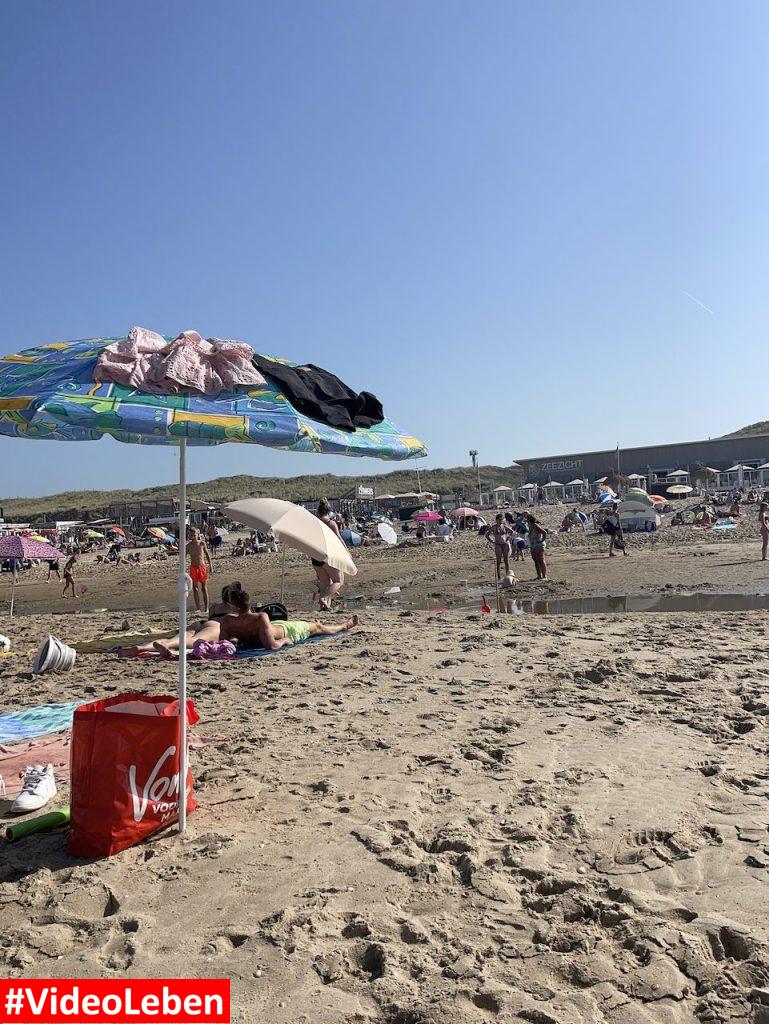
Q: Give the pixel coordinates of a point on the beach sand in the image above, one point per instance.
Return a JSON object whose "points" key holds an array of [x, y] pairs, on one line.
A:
{"points": [[439, 817]]}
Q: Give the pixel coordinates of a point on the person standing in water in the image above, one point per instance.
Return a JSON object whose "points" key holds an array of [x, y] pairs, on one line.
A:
{"points": [[330, 580], [763, 523], [200, 569]]}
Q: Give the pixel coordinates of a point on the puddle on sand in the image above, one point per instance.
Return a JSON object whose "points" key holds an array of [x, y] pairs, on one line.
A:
{"points": [[622, 603]]}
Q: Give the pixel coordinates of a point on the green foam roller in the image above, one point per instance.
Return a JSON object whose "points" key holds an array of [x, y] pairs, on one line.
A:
{"points": [[54, 819]]}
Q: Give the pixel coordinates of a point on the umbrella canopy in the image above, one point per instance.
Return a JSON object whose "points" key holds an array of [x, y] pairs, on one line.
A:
{"points": [[26, 547], [49, 393], [386, 532], [638, 494], [427, 517], [527, 487], [459, 513], [116, 529], [679, 489], [155, 531], [679, 472], [294, 526], [37, 536], [657, 499], [94, 534]]}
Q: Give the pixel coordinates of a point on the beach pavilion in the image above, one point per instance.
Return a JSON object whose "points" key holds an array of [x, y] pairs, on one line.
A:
{"points": [[637, 480], [526, 493], [737, 476], [503, 495], [576, 490], [554, 492]]}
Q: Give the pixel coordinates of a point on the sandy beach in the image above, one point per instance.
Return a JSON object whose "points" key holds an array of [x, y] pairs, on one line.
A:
{"points": [[440, 817]]}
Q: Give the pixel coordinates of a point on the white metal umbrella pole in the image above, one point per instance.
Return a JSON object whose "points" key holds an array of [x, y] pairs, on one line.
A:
{"points": [[13, 590], [182, 635]]}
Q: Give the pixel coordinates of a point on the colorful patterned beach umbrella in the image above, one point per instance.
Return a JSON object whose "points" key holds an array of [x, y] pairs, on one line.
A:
{"points": [[49, 393], [17, 547]]}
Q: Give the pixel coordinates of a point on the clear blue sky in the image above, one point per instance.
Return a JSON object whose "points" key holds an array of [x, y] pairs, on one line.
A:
{"points": [[488, 213]]}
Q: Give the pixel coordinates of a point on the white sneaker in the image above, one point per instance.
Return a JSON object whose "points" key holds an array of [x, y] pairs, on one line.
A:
{"points": [[38, 788]]}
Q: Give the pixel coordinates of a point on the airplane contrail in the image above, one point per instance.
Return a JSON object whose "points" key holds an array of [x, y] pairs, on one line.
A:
{"points": [[701, 304]]}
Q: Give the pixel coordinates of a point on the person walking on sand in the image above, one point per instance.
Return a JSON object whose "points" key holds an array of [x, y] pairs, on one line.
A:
{"points": [[200, 569], [500, 536], [614, 529], [69, 576], [537, 545], [763, 523], [330, 580]]}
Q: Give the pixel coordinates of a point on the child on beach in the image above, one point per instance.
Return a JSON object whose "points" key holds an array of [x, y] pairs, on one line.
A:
{"points": [[199, 555]]}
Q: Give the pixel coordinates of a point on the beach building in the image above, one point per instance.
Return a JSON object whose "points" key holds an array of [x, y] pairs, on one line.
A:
{"points": [[660, 465]]}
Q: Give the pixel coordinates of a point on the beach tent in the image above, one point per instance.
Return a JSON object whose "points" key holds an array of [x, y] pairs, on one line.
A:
{"points": [[637, 516], [49, 393], [678, 474], [640, 495]]}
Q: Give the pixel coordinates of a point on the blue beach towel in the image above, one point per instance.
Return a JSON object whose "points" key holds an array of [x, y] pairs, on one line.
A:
{"points": [[39, 721], [260, 653]]}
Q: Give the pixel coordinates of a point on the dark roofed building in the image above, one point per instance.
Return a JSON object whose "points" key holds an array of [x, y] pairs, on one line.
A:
{"points": [[656, 462]]}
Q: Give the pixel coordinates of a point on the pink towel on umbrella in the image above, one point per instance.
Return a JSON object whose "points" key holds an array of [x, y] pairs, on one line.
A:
{"points": [[147, 362]]}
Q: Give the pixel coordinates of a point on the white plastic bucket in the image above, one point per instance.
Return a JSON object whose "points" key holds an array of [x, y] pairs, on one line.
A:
{"points": [[53, 656]]}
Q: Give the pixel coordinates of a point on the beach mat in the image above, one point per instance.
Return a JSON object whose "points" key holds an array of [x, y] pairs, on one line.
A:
{"points": [[111, 641], [16, 758], [39, 721]]}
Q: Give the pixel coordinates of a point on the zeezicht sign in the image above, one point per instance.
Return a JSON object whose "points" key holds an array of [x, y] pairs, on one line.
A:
{"points": [[556, 466]]}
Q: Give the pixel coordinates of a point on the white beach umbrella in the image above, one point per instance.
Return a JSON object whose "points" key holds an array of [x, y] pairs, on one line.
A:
{"points": [[679, 489], [294, 526], [386, 532]]}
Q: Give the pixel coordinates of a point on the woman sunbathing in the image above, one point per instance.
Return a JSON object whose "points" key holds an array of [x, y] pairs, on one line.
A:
{"points": [[246, 628]]}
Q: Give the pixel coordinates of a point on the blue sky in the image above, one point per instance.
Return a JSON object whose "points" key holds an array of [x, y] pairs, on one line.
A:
{"points": [[488, 213]]}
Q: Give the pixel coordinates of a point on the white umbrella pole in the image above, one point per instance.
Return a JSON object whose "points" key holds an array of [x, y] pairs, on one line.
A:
{"points": [[182, 635], [282, 573], [13, 591]]}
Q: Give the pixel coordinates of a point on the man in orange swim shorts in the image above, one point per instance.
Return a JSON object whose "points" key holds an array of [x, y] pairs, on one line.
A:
{"points": [[199, 555]]}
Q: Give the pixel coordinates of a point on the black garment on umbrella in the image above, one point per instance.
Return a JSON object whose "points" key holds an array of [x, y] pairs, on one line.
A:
{"points": [[320, 395]]}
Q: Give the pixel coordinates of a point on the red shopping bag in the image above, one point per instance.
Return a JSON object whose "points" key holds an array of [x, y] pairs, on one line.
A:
{"points": [[125, 772]]}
